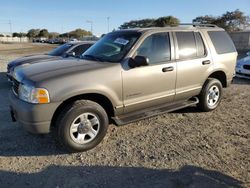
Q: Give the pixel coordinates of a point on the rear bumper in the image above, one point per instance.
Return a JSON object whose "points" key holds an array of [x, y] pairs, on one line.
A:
{"points": [[35, 118]]}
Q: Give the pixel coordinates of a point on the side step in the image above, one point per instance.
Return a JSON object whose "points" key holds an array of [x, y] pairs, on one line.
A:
{"points": [[149, 112]]}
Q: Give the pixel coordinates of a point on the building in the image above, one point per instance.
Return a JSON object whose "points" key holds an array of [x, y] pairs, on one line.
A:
{"points": [[5, 34]]}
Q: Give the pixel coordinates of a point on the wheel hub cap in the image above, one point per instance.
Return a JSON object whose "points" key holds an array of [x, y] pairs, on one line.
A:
{"points": [[84, 128], [213, 96]]}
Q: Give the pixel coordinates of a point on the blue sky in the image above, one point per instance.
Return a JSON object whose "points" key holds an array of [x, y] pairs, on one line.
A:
{"points": [[65, 15]]}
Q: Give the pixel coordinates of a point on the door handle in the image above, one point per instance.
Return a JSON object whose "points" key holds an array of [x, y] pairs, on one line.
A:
{"points": [[167, 69], [206, 62]]}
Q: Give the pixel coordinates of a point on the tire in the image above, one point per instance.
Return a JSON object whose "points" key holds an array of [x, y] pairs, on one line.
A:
{"points": [[82, 125], [210, 95]]}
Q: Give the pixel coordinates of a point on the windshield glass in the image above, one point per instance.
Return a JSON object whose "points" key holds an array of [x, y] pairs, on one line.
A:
{"points": [[112, 47], [59, 51]]}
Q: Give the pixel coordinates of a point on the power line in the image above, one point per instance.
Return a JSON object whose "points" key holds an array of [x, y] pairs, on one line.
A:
{"points": [[8, 23], [91, 25]]}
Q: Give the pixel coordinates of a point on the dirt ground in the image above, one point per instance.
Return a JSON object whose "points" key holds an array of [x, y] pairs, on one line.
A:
{"points": [[186, 148]]}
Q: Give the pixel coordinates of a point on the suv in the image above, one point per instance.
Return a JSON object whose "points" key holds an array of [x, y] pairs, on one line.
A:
{"points": [[69, 49], [126, 76]]}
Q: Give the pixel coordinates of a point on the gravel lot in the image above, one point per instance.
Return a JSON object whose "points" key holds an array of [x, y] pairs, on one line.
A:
{"points": [[186, 148]]}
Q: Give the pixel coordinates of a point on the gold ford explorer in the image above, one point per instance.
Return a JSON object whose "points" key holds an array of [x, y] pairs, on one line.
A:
{"points": [[127, 75]]}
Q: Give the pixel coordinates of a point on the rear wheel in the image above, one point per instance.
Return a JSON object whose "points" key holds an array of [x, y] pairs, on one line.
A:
{"points": [[210, 95], [82, 125]]}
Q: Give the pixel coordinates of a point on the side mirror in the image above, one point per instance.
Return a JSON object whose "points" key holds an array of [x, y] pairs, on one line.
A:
{"points": [[248, 53], [70, 54], [138, 61]]}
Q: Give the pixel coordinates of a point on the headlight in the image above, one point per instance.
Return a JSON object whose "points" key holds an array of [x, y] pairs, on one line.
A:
{"points": [[33, 95]]}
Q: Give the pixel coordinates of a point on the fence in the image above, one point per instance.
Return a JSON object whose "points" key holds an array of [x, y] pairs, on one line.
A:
{"points": [[241, 40], [14, 39]]}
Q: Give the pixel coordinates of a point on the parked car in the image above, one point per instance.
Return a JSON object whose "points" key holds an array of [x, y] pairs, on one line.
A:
{"points": [[68, 49], [126, 76], [243, 67]]}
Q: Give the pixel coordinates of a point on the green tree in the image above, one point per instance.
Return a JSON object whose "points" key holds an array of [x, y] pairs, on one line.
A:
{"points": [[166, 21], [44, 33], [138, 23], [15, 35], [32, 33], [53, 35], [234, 20], [19, 34], [78, 33], [205, 19], [1, 35], [230, 21], [159, 22]]}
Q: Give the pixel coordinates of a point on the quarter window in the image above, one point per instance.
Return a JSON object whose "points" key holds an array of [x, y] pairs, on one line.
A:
{"points": [[156, 48], [222, 42]]}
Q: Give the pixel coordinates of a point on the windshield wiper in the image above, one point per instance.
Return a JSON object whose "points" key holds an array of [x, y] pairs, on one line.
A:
{"points": [[93, 57]]}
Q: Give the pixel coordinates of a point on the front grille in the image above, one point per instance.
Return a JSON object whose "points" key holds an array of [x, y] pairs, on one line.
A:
{"points": [[15, 86], [246, 67]]}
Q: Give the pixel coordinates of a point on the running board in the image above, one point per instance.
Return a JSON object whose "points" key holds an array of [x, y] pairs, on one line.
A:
{"points": [[146, 113]]}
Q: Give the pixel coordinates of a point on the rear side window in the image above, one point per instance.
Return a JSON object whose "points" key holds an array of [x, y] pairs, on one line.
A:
{"points": [[187, 45], [190, 45], [222, 42]]}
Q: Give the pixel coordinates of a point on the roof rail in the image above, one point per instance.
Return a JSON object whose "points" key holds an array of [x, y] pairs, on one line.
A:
{"points": [[198, 25]]}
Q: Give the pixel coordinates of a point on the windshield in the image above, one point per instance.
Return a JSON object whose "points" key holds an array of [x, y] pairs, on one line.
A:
{"points": [[59, 51], [112, 47]]}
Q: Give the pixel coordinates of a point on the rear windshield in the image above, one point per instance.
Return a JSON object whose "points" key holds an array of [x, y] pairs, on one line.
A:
{"points": [[59, 51], [222, 42]]}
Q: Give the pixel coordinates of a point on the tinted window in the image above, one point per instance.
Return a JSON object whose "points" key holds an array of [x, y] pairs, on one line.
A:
{"points": [[222, 42], [201, 51], [187, 45], [156, 48], [79, 50], [112, 47], [59, 51]]}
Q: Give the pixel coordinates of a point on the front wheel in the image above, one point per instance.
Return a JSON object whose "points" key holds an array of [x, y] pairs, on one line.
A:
{"points": [[82, 125], [210, 95]]}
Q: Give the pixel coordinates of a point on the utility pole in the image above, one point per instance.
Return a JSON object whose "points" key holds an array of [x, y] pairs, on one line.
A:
{"points": [[10, 24], [91, 25], [108, 22]]}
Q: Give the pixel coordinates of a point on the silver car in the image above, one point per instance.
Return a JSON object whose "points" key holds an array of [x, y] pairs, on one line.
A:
{"points": [[243, 67]]}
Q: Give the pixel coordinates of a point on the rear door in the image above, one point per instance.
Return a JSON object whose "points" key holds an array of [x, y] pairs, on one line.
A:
{"points": [[194, 63], [154, 84]]}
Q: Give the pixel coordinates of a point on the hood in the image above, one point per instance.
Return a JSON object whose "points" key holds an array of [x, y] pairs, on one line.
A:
{"points": [[31, 59], [55, 68], [244, 61]]}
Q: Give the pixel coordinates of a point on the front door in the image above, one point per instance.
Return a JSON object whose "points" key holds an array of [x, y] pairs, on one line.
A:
{"points": [[154, 84]]}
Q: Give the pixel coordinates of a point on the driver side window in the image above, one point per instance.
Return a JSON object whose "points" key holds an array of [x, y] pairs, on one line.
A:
{"points": [[156, 48]]}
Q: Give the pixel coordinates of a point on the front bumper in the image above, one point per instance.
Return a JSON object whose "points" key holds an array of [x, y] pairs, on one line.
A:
{"points": [[35, 118], [242, 73]]}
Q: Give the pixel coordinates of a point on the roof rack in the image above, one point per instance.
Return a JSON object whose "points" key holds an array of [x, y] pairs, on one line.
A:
{"points": [[198, 25]]}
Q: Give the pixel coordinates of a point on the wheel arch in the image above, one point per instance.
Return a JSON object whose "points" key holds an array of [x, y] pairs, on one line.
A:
{"points": [[221, 76], [101, 99]]}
